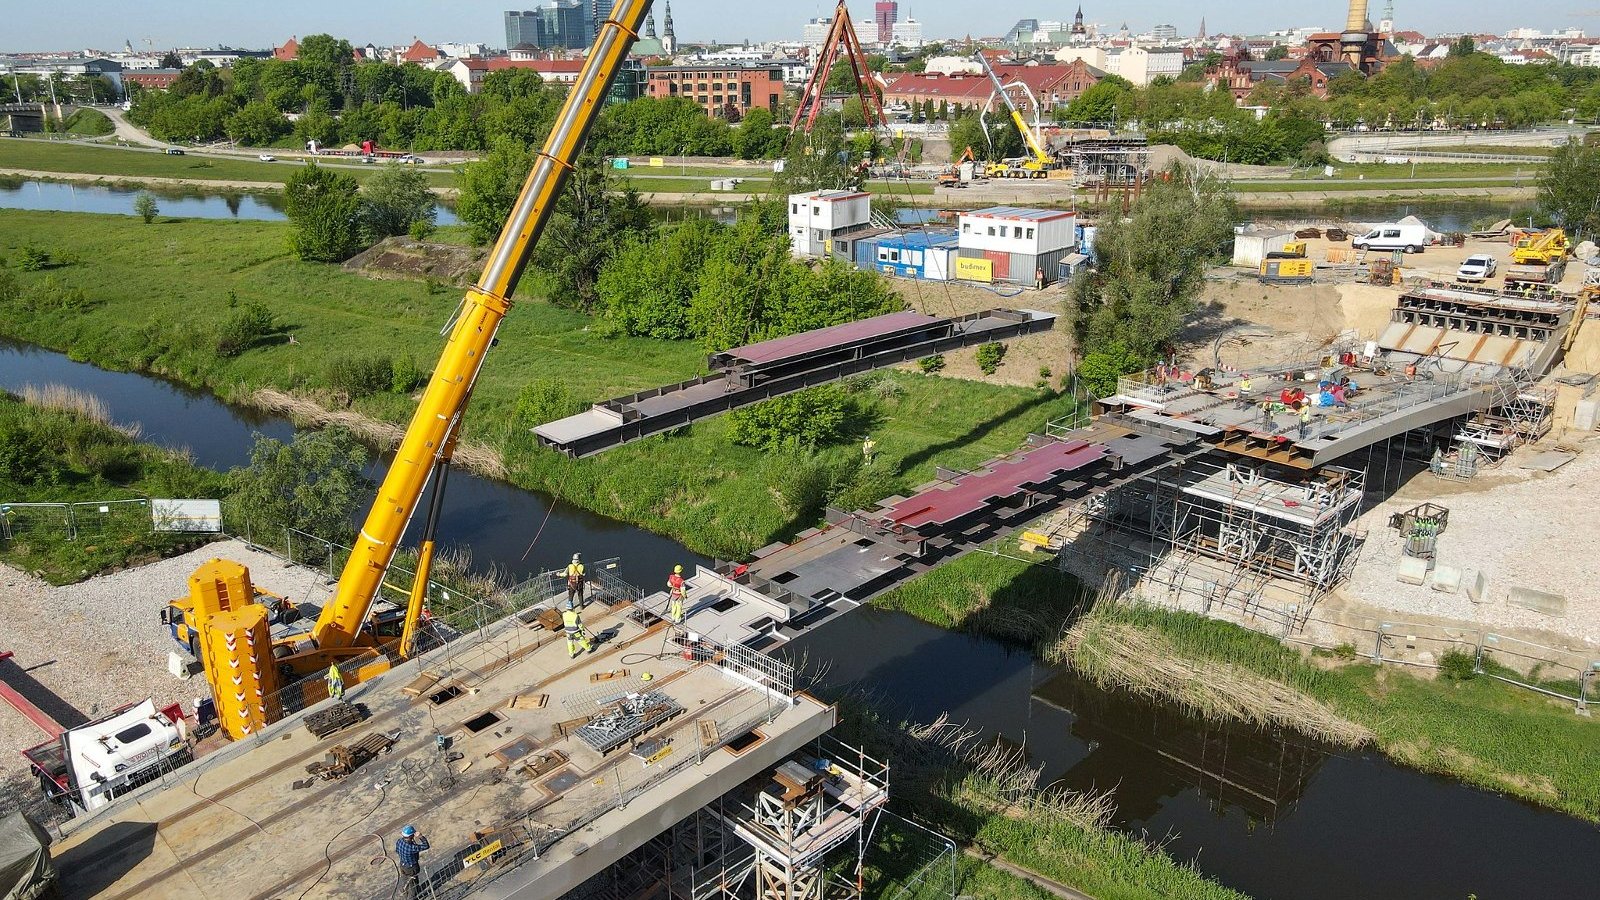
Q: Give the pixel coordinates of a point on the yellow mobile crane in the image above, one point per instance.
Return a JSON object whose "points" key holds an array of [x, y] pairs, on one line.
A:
{"points": [[222, 617], [1039, 164]]}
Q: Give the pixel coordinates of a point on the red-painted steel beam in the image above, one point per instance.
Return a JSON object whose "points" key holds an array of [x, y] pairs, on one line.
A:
{"points": [[23, 705]]}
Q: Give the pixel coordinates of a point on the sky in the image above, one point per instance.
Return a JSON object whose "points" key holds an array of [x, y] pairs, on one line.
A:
{"points": [[106, 24]]}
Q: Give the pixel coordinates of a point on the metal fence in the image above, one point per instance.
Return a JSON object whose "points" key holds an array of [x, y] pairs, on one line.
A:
{"points": [[70, 521]]}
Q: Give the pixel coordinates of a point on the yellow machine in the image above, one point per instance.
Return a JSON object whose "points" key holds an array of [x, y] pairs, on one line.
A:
{"points": [[1542, 247], [229, 622], [1038, 164]]}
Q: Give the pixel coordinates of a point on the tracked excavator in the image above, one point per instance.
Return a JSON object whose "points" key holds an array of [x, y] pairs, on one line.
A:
{"points": [[248, 641]]}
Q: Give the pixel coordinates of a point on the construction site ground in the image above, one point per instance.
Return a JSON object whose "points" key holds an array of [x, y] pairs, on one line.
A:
{"points": [[97, 645], [510, 703], [1025, 355]]}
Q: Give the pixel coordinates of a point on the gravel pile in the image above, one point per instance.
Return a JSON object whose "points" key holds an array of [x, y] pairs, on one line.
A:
{"points": [[99, 644], [1519, 528]]}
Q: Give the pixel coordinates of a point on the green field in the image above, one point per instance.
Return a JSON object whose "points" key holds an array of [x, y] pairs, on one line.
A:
{"points": [[52, 156], [158, 292], [1479, 730], [1465, 185]]}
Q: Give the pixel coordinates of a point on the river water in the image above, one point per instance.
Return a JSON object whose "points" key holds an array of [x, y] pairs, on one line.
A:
{"points": [[174, 202], [1267, 813]]}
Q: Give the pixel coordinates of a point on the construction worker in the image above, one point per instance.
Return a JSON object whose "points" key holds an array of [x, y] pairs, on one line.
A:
{"points": [[1245, 394], [575, 580], [335, 682], [577, 638], [409, 847], [675, 593], [1305, 421], [867, 447]]}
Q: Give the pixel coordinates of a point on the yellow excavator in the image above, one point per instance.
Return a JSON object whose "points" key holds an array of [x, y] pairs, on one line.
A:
{"points": [[1038, 164], [248, 640]]}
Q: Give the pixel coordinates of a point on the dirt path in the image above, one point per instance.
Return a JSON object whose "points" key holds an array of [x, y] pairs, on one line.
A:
{"points": [[1308, 198]]}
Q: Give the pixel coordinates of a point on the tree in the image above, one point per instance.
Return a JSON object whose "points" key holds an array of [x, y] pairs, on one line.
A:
{"points": [[256, 124], [648, 285], [170, 60], [1152, 267], [593, 217], [1569, 189], [314, 483], [1277, 52], [756, 137], [1099, 102], [800, 421], [395, 199], [144, 205], [324, 212], [1463, 46], [1001, 142], [490, 186]]}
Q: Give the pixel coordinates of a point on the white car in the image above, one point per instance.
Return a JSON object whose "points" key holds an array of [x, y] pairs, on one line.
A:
{"points": [[267, 157], [1478, 267], [412, 159]]}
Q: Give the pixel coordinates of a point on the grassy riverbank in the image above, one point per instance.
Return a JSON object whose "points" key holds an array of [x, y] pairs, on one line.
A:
{"points": [[1478, 730], [60, 448], [987, 798], [155, 298], [133, 164]]}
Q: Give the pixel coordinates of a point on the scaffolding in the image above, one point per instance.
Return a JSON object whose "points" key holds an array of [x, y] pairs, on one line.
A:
{"points": [[1519, 413], [1227, 537], [768, 839]]}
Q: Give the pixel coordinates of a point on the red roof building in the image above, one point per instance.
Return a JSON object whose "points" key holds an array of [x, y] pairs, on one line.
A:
{"points": [[152, 79], [1054, 85], [419, 52], [288, 51]]}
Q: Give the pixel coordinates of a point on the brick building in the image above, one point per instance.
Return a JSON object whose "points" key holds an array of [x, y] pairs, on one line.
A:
{"points": [[1054, 85], [717, 88]]}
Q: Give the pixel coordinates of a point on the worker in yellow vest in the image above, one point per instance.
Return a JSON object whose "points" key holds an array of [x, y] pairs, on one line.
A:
{"points": [[335, 682], [675, 594], [577, 638], [575, 580]]}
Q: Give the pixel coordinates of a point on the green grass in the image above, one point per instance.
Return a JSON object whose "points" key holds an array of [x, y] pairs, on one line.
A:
{"points": [[134, 164], [1481, 731], [89, 123], [158, 291], [61, 456], [668, 182]]}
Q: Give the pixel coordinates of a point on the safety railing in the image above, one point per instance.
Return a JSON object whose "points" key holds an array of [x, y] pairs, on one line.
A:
{"points": [[69, 521]]}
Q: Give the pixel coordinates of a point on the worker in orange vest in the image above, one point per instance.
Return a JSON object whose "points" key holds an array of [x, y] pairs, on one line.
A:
{"points": [[675, 594]]}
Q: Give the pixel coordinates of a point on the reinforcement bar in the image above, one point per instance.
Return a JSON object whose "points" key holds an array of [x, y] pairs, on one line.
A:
{"points": [[612, 423]]}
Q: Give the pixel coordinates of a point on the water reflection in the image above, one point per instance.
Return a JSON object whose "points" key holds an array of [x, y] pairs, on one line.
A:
{"points": [[176, 202]]}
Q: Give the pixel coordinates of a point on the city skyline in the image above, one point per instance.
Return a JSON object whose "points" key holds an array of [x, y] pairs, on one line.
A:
{"points": [[106, 26]]}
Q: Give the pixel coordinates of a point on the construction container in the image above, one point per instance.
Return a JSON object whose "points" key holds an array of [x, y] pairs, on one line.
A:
{"points": [[912, 254], [818, 217], [1287, 271], [1014, 268], [1251, 246], [1013, 230]]}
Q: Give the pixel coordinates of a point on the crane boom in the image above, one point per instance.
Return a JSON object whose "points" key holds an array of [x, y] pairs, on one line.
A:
{"points": [[1039, 156], [433, 427]]}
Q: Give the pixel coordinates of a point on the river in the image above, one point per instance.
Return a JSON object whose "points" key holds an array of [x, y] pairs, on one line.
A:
{"points": [[1268, 813], [174, 202]]}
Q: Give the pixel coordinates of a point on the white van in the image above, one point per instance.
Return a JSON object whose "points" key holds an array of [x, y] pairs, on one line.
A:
{"points": [[1393, 236]]}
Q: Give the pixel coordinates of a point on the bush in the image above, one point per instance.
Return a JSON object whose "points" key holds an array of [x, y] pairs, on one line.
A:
{"points": [[802, 483], [32, 259], [54, 295], [803, 420], [989, 357], [9, 288], [144, 205], [1458, 665], [421, 230], [244, 329], [931, 364], [359, 376], [406, 376]]}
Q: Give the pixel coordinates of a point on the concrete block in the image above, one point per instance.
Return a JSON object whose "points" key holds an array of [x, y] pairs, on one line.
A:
{"points": [[1586, 414], [1538, 601], [1477, 587], [1446, 579], [1412, 570]]}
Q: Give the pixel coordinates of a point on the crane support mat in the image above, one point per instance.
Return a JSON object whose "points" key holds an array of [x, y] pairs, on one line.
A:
{"points": [[761, 371], [338, 717]]}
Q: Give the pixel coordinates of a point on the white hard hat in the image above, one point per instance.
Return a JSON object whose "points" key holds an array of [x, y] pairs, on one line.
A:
{"points": [[575, 556]]}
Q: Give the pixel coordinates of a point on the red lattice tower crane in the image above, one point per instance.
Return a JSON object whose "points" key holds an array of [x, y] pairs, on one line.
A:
{"points": [[841, 36]]}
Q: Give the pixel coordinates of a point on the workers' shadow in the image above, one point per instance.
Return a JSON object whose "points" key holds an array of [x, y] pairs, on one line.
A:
{"points": [[90, 868]]}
